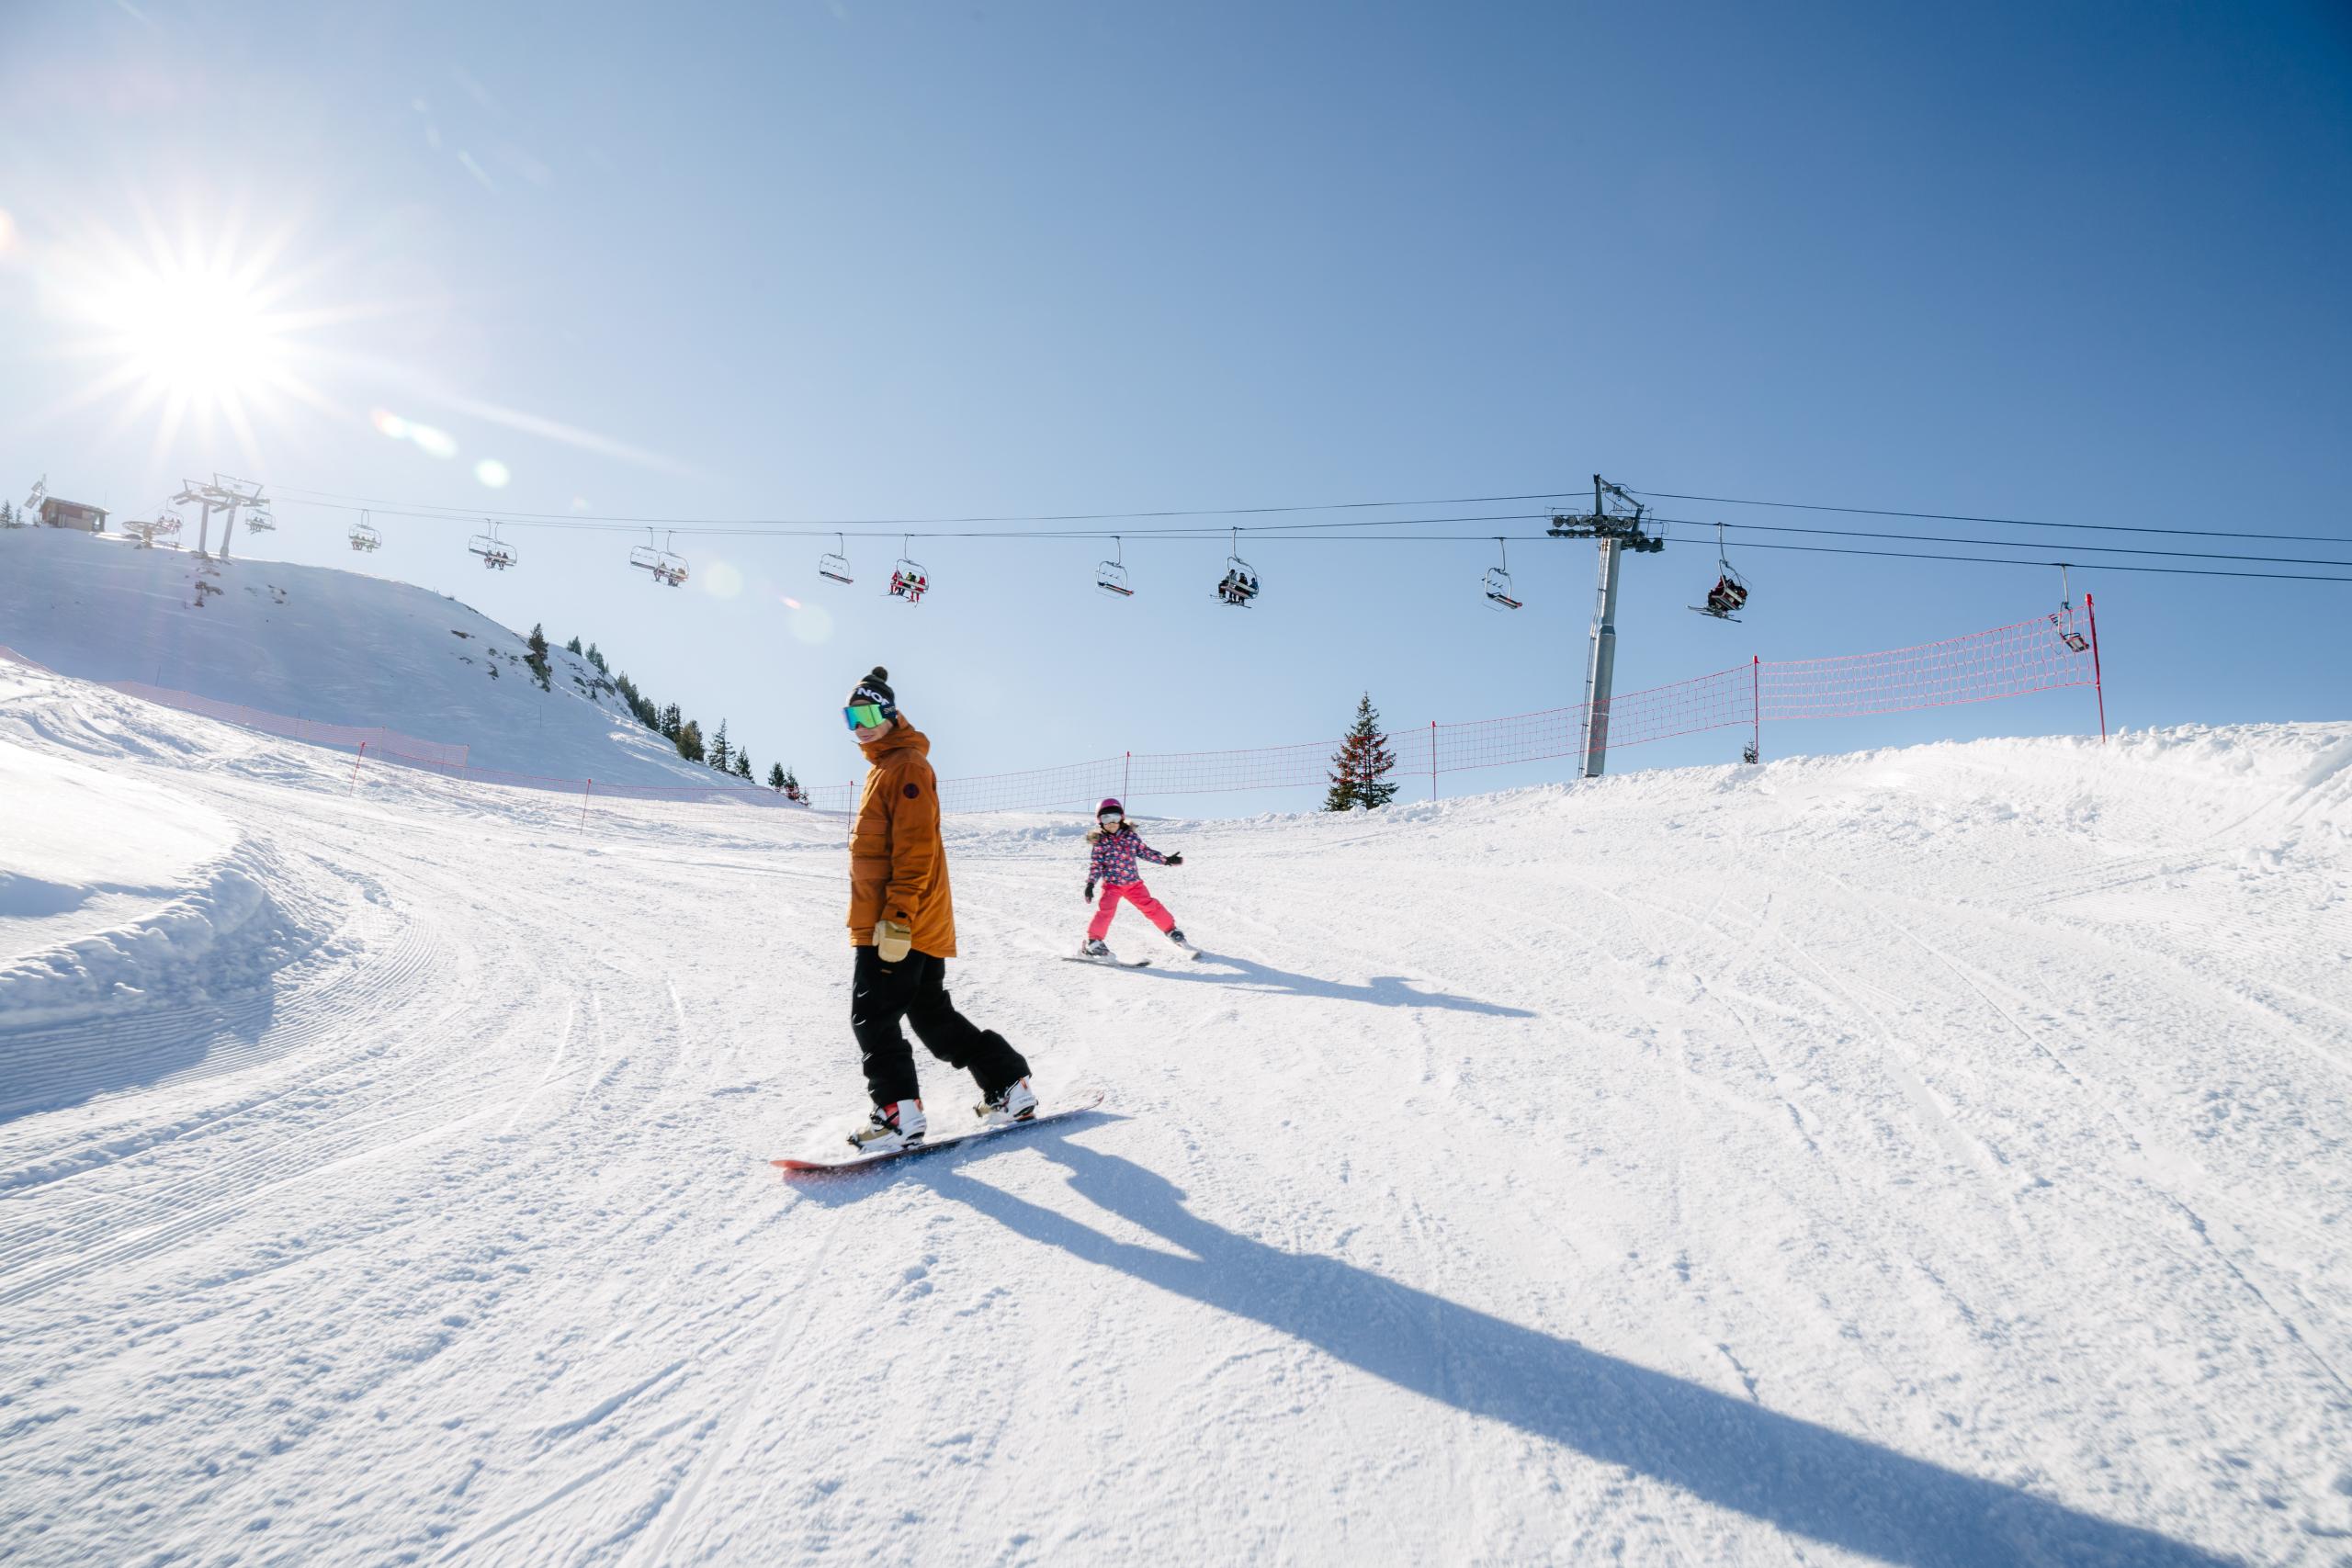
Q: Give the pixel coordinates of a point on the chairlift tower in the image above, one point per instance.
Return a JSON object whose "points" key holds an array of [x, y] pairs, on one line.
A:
{"points": [[233, 493], [196, 493], [1620, 524]]}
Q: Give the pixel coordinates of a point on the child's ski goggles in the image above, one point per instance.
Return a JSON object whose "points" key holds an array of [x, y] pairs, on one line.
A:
{"points": [[1110, 817], [864, 716]]}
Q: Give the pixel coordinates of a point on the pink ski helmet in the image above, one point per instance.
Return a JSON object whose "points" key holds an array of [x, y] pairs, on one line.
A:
{"points": [[1110, 804]]}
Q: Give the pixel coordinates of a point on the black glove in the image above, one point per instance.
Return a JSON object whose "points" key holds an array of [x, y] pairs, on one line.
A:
{"points": [[1176, 858], [1090, 890]]}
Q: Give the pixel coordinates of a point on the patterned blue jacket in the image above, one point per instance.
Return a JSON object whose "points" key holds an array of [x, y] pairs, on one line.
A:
{"points": [[1115, 855]]}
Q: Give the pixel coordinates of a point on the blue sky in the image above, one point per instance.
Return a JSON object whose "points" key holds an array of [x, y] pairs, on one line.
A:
{"points": [[854, 260]]}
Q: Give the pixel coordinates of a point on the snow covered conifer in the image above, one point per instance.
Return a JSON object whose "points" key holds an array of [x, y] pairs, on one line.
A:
{"points": [[1361, 767], [538, 659]]}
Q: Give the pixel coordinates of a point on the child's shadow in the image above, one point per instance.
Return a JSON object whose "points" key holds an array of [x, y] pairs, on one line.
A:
{"points": [[1809, 1480], [1382, 991]]}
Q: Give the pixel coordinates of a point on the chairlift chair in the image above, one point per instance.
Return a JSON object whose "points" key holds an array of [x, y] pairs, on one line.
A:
{"points": [[836, 565], [659, 561], [909, 580], [259, 520], [2062, 618], [496, 553], [1497, 583], [1110, 576], [1239, 583], [364, 535], [1730, 592]]}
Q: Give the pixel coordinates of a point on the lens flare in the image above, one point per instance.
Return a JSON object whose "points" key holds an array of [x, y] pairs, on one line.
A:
{"points": [[492, 473]]}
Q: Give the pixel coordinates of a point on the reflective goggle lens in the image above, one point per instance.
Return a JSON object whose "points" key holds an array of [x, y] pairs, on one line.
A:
{"points": [[1110, 815], [863, 715]]}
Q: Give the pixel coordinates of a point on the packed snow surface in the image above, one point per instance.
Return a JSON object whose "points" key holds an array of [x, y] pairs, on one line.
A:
{"points": [[1931, 1156]]}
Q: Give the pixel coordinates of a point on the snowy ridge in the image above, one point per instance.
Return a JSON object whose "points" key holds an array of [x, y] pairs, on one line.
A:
{"points": [[321, 644], [1932, 1155]]}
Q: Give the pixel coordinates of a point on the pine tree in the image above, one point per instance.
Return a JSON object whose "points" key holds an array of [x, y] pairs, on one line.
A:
{"points": [[690, 740], [597, 659], [792, 786], [538, 657], [775, 776], [1361, 767], [722, 756], [7, 515], [742, 764], [572, 647], [673, 724]]}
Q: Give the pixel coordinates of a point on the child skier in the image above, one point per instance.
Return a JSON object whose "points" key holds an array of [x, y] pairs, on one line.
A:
{"points": [[902, 924], [1117, 847]]}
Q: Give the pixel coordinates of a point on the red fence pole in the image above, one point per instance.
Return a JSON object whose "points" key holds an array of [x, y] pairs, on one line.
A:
{"points": [[1126, 781], [355, 768], [1755, 702], [584, 793], [2097, 684], [1432, 759]]}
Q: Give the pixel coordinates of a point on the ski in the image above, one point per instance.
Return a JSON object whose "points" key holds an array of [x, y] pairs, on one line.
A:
{"points": [[1113, 960], [859, 1162]]}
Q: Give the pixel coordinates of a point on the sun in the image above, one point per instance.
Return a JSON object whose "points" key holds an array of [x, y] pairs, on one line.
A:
{"points": [[194, 334], [199, 328]]}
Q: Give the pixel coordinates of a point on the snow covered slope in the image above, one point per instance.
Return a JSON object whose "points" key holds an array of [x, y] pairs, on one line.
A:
{"points": [[1929, 1156], [315, 643]]}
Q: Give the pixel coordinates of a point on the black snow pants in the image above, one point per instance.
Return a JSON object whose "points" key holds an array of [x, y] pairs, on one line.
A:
{"points": [[915, 988]]}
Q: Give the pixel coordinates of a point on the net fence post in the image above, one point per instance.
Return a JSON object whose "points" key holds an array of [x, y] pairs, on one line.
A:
{"points": [[1432, 759], [355, 768], [2099, 687], [588, 788], [1756, 706], [1126, 769]]}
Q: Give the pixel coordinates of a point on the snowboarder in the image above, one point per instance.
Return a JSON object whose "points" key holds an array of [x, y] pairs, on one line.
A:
{"points": [[1117, 847], [902, 923]]}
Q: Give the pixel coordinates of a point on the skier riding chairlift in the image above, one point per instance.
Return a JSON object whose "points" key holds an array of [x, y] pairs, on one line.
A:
{"points": [[1730, 593], [909, 580], [1240, 584]]}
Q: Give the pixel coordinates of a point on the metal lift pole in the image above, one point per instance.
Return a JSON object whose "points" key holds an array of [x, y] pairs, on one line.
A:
{"points": [[1600, 656]]}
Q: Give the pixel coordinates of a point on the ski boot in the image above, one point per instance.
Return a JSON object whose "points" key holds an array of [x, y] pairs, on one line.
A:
{"points": [[1094, 947], [890, 1128], [1176, 935], [1015, 1102]]}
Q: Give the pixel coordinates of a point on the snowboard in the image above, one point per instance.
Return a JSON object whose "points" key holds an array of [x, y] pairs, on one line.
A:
{"points": [[932, 1145]]}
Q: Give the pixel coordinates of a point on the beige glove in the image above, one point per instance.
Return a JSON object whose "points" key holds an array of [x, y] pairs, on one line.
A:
{"points": [[892, 941]]}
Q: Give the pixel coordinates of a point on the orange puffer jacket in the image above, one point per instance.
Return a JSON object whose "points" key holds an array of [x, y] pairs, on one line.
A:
{"points": [[897, 867]]}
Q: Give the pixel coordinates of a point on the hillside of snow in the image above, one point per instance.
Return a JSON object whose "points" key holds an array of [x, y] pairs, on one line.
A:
{"points": [[1941, 1156], [319, 643]]}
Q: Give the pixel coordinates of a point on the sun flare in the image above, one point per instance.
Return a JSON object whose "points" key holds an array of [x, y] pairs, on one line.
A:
{"points": [[198, 331], [193, 333]]}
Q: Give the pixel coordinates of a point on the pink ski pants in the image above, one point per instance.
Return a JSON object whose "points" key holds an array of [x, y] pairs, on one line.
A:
{"points": [[1135, 893]]}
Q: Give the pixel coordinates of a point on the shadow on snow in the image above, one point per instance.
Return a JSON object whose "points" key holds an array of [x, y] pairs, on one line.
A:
{"points": [[1800, 1477]]}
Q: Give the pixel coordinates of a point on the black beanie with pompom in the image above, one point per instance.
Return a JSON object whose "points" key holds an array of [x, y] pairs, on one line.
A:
{"points": [[875, 688]]}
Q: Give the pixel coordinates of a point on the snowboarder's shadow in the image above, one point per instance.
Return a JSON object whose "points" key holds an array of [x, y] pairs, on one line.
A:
{"points": [[1806, 1479], [1382, 991]]}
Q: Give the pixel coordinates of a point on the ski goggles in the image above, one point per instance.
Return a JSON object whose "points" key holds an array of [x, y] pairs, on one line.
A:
{"points": [[864, 716], [1110, 817]]}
